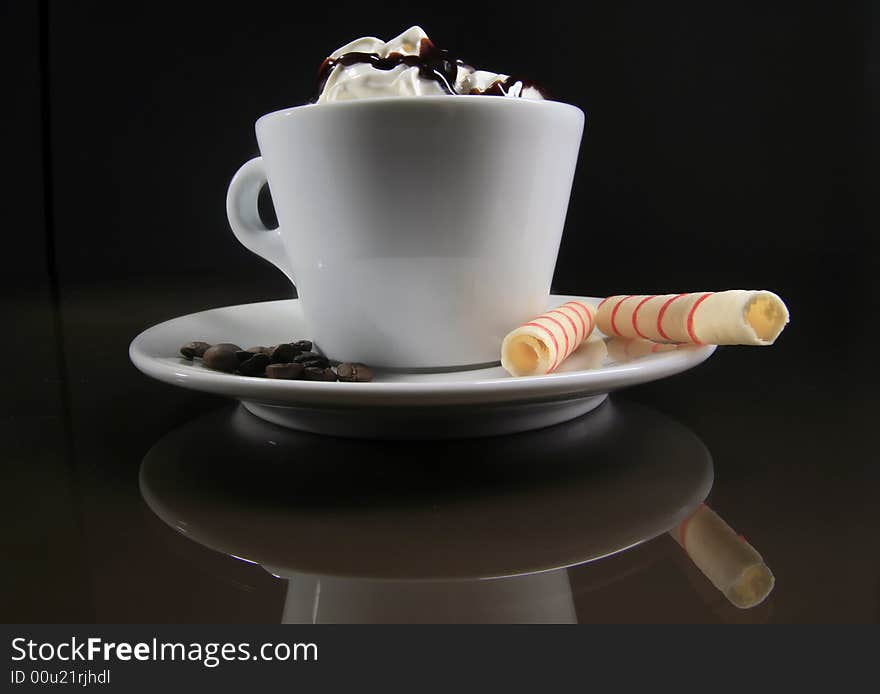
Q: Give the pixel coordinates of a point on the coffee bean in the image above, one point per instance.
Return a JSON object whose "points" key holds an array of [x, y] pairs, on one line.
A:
{"points": [[291, 360], [312, 359], [354, 373], [194, 349], [220, 358], [290, 371], [284, 354], [313, 373], [255, 366], [245, 354]]}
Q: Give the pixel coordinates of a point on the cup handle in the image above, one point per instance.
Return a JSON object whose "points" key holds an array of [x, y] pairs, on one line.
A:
{"points": [[244, 218]]}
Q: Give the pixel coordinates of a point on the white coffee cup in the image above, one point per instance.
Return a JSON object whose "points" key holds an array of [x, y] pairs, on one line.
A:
{"points": [[418, 231]]}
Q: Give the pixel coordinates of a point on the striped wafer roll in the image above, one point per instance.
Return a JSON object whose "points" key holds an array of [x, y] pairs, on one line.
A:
{"points": [[735, 317], [539, 346]]}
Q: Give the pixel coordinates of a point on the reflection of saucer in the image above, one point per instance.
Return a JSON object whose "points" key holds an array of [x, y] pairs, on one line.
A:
{"points": [[297, 503], [476, 402]]}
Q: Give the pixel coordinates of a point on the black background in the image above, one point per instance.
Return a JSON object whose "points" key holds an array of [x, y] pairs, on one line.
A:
{"points": [[727, 145]]}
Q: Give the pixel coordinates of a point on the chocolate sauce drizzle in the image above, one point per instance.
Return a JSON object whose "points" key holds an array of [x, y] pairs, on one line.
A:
{"points": [[433, 64]]}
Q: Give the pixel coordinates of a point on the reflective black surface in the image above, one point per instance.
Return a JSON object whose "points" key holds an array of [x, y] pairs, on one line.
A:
{"points": [[788, 429], [725, 147], [470, 509]]}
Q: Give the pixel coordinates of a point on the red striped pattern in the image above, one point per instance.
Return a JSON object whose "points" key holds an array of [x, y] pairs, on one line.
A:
{"points": [[577, 314], [577, 306], [636, 314], [580, 311], [690, 318], [663, 313], [559, 357], [614, 314], [570, 322]]}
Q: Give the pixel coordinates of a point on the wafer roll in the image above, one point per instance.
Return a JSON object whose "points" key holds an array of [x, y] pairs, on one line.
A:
{"points": [[732, 565], [539, 346], [735, 317]]}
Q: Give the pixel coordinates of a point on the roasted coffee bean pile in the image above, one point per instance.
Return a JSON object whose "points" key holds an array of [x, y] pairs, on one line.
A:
{"points": [[290, 360]]}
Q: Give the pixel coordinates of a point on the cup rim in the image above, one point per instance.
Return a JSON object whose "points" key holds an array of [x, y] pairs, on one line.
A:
{"points": [[392, 101]]}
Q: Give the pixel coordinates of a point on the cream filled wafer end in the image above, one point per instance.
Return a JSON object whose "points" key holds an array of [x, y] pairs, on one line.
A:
{"points": [[523, 355], [751, 586], [542, 344], [737, 317], [766, 315]]}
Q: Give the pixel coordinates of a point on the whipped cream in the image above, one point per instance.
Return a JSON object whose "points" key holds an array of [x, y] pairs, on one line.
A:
{"points": [[409, 65]]}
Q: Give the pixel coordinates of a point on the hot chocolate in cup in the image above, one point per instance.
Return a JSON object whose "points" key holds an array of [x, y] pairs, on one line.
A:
{"points": [[417, 230]]}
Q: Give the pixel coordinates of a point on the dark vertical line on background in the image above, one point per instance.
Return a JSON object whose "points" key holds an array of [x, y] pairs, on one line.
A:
{"points": [[52, 264]]}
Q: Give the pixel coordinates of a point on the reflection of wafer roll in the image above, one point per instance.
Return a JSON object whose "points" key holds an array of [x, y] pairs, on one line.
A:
{"points": [[735, 317], [732, 565], [623, 349], [590, 355], [539, 346]]}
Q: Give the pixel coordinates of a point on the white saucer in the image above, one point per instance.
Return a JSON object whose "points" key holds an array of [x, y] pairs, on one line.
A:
{"points": [[456, 404]]}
